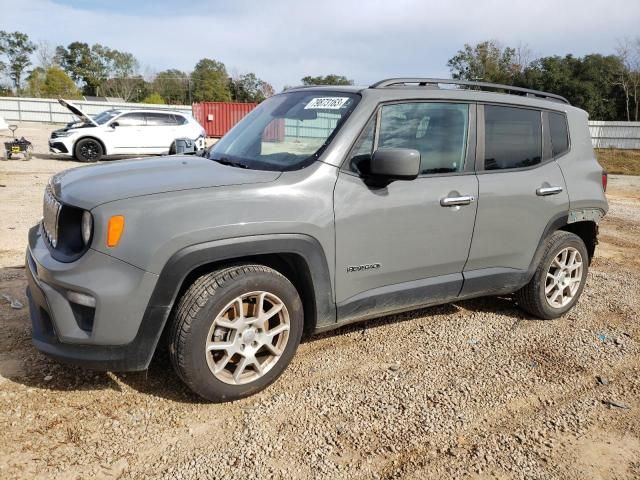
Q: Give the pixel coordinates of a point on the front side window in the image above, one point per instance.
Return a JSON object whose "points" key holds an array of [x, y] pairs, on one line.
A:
{"points": [[437, 130], [513, 137], [559, 133], [104, 117], [286, 131], [131, 120]]}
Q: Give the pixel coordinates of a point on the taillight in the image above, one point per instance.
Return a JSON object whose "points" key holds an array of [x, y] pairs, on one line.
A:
{"points": [[605, 179]]}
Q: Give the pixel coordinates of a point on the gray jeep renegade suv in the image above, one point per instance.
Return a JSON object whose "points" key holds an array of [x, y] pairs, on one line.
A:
{"points": [[323, 206]]}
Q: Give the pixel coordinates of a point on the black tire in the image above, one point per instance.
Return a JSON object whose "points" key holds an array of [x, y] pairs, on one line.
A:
{"points": [[195, 314], [172, 149], [531, 298], [88, 150]]}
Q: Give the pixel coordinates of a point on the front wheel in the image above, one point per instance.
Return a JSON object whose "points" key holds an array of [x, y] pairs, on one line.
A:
{"points": [[88, 150], [235, 331], [559, 279]]}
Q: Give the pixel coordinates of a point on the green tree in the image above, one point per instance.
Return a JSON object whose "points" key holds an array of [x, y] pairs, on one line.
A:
{"points": [[210, 82], [51, 83], [84, 64], [17, 48], [249, 88], [154, 98], [487, 61], [173, 85], [58, 84], [331, 79], [93, 66], [35, 82], [588, 83]]}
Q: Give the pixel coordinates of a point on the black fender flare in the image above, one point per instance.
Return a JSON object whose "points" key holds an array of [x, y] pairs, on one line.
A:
{"points": [[186, 260], [555, 224]]}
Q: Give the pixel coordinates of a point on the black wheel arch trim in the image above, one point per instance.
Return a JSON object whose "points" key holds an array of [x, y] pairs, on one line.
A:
{"points": [[188, 259]]}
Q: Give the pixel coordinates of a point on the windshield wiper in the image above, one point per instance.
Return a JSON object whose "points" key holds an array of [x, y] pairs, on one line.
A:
{"points": [[231, 163]]}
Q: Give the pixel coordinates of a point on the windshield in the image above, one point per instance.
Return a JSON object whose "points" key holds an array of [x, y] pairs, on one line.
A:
{"points": [[104, 117], [285, 132]]}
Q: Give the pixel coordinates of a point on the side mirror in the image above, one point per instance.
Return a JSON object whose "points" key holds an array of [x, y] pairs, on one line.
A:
{"points": [[395, 163], [114, 124]]}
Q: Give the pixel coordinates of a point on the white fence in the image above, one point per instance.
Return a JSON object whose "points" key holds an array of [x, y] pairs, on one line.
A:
{"points": [[615, 134], [49, 110]]}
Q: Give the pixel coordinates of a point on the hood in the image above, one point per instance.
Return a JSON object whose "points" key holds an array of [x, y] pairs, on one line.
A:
{"points": [[77, 112], [90, 186]]}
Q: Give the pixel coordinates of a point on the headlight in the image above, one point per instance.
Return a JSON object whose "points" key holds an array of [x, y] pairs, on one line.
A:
{"points": [[87, 227], [61, 134]]}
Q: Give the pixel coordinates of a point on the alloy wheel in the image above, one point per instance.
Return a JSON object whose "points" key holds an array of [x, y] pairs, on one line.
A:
{"points": [[247, 337], [563, 277], [89, 150]]}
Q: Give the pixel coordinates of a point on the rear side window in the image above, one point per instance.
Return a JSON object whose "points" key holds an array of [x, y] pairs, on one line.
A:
{"points": [[559, 133], [513, 137], [180, 120]]}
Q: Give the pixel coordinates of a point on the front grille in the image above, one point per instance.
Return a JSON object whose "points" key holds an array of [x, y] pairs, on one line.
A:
{"points": [[50, 215]]}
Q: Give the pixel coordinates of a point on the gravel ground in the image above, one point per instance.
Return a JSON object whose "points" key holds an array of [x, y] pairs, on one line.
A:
{"points": [[474, 389]]}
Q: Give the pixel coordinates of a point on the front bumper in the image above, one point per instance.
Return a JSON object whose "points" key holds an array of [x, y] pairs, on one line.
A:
{"points": [[119, 334], [58, 145]]}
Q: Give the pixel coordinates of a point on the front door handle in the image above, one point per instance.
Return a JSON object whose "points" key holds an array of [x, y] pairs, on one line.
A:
{"points": [[545, 191], [456, 201]]}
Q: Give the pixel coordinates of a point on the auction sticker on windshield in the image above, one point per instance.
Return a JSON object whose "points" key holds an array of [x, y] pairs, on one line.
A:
{"points": [[328, 103]]}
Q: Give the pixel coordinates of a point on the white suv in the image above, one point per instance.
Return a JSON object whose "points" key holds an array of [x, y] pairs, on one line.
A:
{"points": [[124, 132]]}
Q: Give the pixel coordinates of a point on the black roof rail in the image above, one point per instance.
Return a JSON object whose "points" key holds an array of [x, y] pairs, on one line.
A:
{"points": [[434, 82]]}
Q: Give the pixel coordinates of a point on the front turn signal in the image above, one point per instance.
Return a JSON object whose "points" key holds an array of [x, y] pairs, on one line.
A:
{"points": [[114, 230]]}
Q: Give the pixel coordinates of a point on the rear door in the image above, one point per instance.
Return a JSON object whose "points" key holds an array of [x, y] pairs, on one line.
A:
{"points": [[162, 130], [521, 192], [400, 246]]}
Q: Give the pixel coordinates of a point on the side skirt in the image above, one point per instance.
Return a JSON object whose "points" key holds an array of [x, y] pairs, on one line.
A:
{"points": [[428, 292]]}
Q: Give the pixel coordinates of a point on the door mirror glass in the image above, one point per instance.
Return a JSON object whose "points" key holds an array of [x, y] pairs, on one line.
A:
{"points": [[114, 125], [395, 163]]}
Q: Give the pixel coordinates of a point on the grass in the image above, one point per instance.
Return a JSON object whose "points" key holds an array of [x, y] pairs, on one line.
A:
{"points": [[614, 160]]}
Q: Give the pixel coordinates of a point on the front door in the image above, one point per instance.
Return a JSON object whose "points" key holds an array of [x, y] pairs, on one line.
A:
{"points": [[128, 136], [406, 244]]}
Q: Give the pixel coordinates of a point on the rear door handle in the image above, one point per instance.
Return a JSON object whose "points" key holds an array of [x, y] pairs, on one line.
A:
{"points": [[545, 191], [455, 201]]}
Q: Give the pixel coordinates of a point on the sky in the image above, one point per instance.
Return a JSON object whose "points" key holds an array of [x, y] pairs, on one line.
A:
{"points": [[282, 41]]}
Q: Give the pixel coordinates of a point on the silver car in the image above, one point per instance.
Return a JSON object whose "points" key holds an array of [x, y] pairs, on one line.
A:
{"points": [[323, 206]]}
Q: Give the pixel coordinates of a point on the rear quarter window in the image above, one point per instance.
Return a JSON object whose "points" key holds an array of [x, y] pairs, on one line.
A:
{"points": [[559, 133]]}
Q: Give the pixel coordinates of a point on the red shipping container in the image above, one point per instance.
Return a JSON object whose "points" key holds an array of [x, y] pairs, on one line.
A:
{"points": [[218, 118]]}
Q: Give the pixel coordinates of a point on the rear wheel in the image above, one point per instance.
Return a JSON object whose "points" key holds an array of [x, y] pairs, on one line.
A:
{"points": [[235, 331], [88, 150], [559, 279]]}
